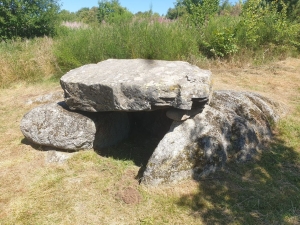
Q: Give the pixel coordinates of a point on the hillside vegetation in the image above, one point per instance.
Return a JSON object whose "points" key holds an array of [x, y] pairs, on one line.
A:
{"points": [[205, 32]]}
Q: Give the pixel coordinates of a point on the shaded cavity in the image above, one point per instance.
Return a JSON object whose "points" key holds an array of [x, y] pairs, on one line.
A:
{"points": [[147, 128]]}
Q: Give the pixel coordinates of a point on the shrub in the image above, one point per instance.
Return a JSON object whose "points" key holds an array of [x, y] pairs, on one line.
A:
{"points": [[218, 39], [262, 24]]}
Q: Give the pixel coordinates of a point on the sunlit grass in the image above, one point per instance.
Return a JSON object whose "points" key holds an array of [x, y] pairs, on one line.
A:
{"points": [[29, 60]]}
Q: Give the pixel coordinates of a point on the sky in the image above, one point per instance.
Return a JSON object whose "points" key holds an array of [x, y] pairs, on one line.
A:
{"points": [[134, 6], [159, 6]]}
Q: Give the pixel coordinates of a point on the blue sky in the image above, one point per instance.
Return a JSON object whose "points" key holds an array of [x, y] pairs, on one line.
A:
{"points": [[159, 6]]}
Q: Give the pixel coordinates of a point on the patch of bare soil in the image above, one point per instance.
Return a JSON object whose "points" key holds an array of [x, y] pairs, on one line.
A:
{"points": [[130, 195], [127, 188]]}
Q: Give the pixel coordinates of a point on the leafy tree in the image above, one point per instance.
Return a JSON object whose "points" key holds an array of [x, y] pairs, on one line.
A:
{"points": [[295, 12], [199, 10], [226, 8], [27, 18], [174, 13], [147, 14], [293, 7], [262, 24], [65, 15], [87, 15], [112, 12]]}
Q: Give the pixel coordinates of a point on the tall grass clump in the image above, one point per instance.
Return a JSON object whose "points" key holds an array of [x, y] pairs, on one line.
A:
{"points": [[141, 38], [26, 60]]}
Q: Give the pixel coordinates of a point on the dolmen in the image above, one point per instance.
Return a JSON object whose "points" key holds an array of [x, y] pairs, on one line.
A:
{"points": [[207, 128]]}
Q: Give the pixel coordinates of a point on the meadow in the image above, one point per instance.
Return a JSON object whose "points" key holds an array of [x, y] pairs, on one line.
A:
{"points": [[95, 188]]}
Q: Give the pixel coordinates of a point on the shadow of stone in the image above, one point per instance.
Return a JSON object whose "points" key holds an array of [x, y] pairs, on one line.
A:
{"points": [[25, 141], [38, 147], [146, 131], [138, 147], [265, 191]]}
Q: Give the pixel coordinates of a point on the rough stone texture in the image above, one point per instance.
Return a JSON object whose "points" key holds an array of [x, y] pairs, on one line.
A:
{"points": [[48, 98], [55, 125], [182, 115], [53, 156], [135, 85], [235, 125]]}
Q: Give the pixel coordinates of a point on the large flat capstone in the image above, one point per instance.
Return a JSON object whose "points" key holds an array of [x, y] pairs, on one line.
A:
{"points": [[135, 85]]}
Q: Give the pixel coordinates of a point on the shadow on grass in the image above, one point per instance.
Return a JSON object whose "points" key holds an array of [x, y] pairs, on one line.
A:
{"points": [[138, 147], [38, 147], [263, 192]]}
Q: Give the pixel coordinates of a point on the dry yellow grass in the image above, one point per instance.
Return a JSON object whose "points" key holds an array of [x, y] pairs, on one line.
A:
{"points": [[279, 81], [28, 60], [91, 189]]}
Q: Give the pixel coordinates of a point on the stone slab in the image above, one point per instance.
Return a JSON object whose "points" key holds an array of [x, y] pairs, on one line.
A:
{"points": [[135, 85]]}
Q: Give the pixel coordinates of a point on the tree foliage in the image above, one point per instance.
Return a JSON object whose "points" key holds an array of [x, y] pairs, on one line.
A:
{"points": [[197, 11], [65, 15], [112, 12], [27, 18], [292, 7], [88, 15], [177, 12]]}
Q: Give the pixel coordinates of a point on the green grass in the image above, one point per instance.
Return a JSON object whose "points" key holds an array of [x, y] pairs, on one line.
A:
{"points": [[138, 39], [264, 192], [221, 38]]}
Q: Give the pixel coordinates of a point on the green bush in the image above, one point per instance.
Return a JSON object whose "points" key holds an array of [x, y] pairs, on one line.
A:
{"points": [[218, 37], [262, 24], [260, 34], [198, 11]]}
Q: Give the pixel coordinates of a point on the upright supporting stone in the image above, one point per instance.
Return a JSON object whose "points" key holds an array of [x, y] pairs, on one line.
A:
{"points": [[235, 125], [56, 126]]}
